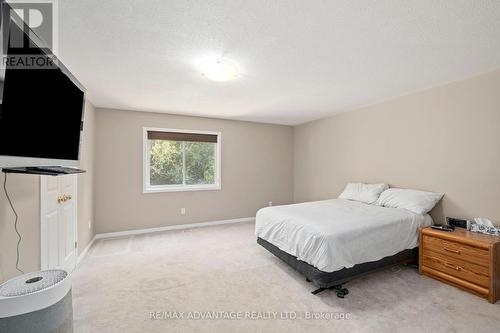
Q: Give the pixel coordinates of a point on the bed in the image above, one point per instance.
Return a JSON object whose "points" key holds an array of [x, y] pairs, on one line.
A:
{"points": [[334, 241]]}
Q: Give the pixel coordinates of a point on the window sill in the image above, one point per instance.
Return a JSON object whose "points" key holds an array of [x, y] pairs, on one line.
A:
{"points": [[160, 189]]}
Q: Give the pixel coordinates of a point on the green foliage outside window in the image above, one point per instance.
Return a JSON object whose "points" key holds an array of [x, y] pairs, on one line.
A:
{"points": [[200, 162], [178, 162]]}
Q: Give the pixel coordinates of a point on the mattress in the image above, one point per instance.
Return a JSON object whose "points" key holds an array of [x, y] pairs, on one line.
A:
{"points": [[335, 234]]}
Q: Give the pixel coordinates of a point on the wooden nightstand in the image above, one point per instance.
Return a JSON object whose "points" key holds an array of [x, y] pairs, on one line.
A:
{"points": [[464, 259]]}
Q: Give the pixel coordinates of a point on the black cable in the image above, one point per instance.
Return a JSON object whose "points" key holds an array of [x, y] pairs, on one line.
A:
{"points": [[15, 223]]}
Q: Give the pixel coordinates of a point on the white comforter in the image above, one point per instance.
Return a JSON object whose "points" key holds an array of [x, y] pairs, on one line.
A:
{"points": [[334, 234]]}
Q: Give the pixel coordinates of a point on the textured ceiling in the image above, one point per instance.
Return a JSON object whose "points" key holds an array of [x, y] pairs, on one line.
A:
{"points": [[300, 59]]}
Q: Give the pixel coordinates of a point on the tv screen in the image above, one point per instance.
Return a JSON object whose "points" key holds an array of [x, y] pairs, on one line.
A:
{"points": [[41, 110]]}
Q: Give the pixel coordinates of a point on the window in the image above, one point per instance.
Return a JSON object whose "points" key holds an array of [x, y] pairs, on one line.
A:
{"points": [[180, 160]]}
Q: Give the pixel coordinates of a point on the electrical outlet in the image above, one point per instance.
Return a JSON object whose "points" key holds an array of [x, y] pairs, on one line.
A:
{"points": [[183, 211], [270, 203], [90, 224]]}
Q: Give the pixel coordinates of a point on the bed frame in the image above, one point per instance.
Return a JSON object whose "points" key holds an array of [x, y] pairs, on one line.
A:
{"points": [[335, 280]]}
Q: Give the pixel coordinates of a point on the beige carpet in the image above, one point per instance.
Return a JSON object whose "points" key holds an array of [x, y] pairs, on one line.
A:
{"points": [[221, 271]]}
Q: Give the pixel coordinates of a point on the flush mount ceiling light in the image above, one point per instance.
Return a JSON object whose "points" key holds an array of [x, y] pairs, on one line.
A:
{"points": [[219, 69]]}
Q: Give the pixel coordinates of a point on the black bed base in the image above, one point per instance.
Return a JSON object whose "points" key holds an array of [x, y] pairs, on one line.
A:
{"points": [[334, 280]]}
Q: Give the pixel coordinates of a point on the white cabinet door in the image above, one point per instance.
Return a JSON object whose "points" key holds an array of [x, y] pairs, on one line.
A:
{"points": [[58, 222]]}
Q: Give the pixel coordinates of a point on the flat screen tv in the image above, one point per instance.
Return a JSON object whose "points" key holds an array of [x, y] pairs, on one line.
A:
{"points": [[41, 110]]}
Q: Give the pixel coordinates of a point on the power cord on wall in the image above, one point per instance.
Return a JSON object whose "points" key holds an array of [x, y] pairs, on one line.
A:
{"points": [[15, 223]]}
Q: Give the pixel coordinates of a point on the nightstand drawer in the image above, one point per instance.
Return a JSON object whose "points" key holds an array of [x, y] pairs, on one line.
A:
{"points": [[461, 269], [457, 250]]}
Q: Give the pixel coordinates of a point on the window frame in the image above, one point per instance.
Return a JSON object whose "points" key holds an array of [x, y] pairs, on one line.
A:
{"points": [[148, 188]]}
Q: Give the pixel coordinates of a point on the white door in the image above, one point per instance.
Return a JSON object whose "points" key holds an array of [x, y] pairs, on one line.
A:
{"points": [[58, 221]]}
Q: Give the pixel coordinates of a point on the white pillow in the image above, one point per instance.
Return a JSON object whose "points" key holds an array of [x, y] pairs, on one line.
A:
{"points": [[367, 193], [419, 202]]}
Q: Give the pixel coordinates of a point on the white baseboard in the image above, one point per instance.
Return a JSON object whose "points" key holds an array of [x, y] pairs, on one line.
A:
{"points": [[82, 255], [170, 227]]}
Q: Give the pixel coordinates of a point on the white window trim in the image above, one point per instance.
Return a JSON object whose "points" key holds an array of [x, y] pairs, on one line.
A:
{"points": [[148, 188]]}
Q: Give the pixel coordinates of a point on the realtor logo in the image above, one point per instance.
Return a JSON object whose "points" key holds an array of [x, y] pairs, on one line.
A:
{"points": [[35, 27]]}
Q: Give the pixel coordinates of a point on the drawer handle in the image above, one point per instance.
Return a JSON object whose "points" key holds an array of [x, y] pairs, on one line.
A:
{"points": [[452, 266], [453, 251]]}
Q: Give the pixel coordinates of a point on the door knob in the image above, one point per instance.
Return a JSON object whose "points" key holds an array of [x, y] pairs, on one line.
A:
{"points": [[63, 198]]}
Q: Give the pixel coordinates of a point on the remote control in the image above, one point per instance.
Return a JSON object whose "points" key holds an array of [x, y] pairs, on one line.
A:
{"points": [[443, 228]]}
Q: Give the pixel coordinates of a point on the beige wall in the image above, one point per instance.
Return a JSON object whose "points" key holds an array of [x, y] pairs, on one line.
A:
{"points": [[446, 139], [86, 181], [257, 167], [25, 193]]}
